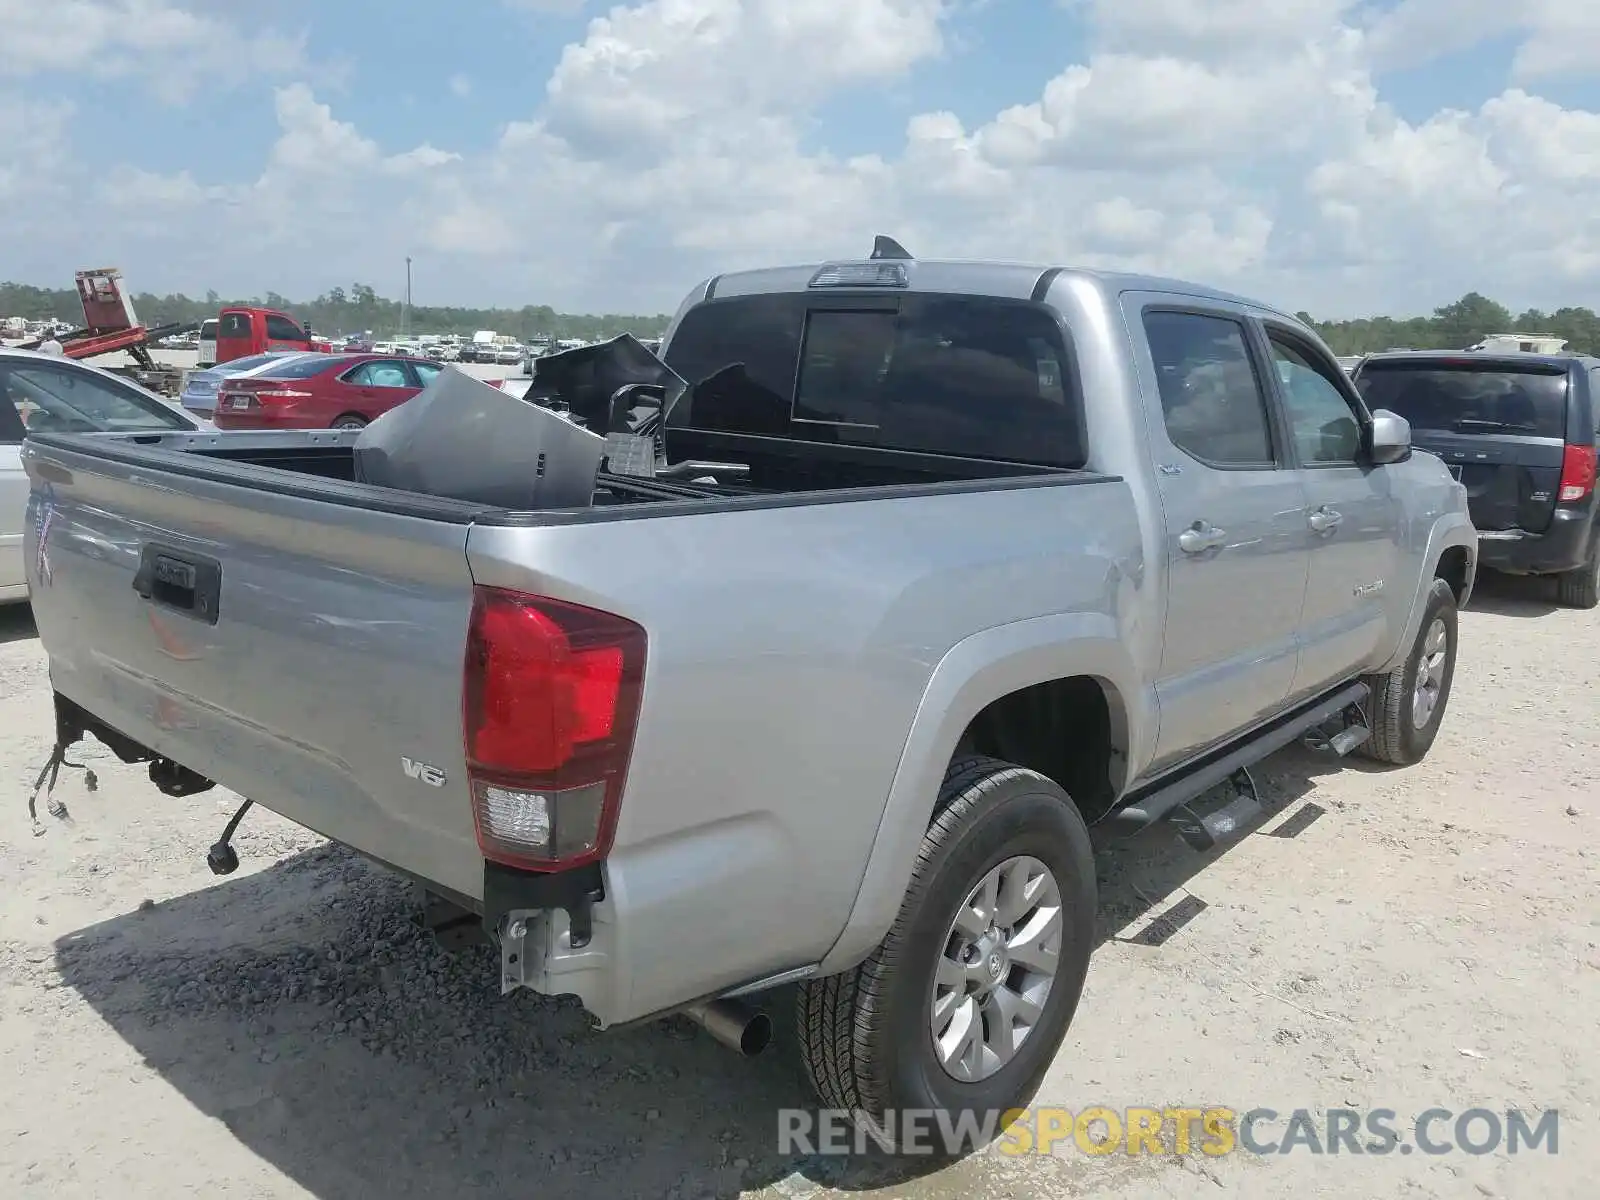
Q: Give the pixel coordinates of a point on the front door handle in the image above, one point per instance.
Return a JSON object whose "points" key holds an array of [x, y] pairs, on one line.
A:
{"points": [[1324, 520], [1200, 537]]}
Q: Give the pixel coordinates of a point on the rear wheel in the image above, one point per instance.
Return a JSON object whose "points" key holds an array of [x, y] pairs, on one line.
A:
{"points": [[1581, 588], [349, 421], [962, 1007], [1408, 703]]}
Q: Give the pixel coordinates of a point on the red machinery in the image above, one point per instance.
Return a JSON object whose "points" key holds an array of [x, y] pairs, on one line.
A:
{"points": [[110, 325]]}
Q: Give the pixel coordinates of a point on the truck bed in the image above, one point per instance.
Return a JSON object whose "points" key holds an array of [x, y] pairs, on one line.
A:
{"points": [[320, 465]]}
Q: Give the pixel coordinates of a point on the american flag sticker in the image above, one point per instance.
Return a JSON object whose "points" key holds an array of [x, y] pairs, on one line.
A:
{"points": [[46, 518]]}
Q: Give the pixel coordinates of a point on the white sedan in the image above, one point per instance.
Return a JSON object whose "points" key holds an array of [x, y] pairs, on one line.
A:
{"points": [[40, 392]]}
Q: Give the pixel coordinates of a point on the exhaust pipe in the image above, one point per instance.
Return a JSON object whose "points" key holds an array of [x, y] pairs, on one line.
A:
{"points": [[737, 1027]]}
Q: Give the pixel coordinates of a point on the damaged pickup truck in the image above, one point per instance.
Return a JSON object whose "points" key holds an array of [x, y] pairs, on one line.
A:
{"points": [[936, 566]]}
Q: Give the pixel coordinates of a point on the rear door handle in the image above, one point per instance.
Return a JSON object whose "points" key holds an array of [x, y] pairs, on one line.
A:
{"points": [[1200, 537], [1324, 520]]}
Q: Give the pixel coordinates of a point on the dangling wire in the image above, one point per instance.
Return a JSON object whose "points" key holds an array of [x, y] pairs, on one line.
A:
{"points": [[46, 783]]}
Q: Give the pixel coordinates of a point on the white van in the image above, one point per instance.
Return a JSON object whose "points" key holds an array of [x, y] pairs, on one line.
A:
{"points": [[208, 344]]}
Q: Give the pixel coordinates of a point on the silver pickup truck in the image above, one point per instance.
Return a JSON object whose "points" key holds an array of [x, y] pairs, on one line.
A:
{"points": [[1010, 551]]}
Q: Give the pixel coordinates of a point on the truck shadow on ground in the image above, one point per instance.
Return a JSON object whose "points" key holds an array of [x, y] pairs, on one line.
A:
{"points": [[16, 623], [302, 1007], [1513, 595]]}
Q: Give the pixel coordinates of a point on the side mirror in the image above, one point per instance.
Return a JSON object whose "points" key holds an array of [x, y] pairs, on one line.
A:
{"points": [[1390, 438]]}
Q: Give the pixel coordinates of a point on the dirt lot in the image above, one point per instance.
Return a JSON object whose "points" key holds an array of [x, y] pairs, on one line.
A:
{"points": [[1402, 940]]}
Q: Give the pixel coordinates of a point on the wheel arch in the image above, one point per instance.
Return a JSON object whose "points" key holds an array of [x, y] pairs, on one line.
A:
{"points": [[1452, 555], [1070, 658]]}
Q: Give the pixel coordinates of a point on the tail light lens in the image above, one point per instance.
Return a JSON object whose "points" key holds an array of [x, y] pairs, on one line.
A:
{"points": [[282, 394], [1577, 473], [550, 705]]}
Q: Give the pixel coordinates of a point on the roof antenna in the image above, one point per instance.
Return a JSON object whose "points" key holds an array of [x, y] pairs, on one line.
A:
{"points": [[887, 247]]}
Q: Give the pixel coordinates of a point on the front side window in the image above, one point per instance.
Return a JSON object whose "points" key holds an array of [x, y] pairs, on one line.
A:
{"points": [[1211, 398], [48, 398], [1321, 422]]}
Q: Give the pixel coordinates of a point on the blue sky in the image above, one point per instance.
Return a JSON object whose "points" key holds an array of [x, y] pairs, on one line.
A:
{"points": [[1337, 156]]}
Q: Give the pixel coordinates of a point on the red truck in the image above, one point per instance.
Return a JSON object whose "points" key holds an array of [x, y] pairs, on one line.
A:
{"points": [[243, 330]]}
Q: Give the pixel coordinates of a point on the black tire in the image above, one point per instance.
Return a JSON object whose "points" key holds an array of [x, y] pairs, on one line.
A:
{"points": [[1581, 588], [864, 1036], [1396, 738], [349, 421]]}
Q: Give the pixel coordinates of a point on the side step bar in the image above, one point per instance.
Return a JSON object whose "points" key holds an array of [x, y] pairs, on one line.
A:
{"points": [[1172, 799]]}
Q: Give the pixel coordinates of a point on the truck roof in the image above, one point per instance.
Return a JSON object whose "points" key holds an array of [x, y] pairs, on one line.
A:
{"points": [[1012, 280]]}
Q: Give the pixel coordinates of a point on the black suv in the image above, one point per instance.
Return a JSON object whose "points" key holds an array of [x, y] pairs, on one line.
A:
{"points": [[1519, 431]]}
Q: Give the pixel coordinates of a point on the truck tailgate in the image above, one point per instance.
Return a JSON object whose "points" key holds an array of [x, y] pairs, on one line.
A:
{"points": [[306, 654]]}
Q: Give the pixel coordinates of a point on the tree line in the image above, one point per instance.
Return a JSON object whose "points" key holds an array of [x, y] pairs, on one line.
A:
{"points": [[360, 308], [1458, 325], [343, 311]]}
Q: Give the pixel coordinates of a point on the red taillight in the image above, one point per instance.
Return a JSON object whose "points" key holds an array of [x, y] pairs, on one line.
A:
{"points": [[282, 394], [1577, 473], [550, 704]]}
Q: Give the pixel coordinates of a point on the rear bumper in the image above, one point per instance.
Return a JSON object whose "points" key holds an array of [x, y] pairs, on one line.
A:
{"points": [[1562, 547]]}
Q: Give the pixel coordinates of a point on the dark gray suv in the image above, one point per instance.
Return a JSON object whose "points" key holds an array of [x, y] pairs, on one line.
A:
{"points": [[1519, 430]]}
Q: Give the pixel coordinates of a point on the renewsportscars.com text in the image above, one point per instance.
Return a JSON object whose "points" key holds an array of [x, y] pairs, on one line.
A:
{"points": [[1209, 1130]]}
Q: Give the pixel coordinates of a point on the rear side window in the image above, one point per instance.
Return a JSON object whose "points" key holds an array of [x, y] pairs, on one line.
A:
{"points": [[1211, 397], [1469, 397], [380, 372], [281, 329], [956, 375], [233, 325]]}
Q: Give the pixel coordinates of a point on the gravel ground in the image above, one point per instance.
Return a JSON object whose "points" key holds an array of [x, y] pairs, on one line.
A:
{"points": [[1386, 939]]}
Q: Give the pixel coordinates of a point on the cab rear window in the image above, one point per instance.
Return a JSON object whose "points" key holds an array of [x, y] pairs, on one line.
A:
{"points": [[234, 325], [969, 376], [1457, 397]]}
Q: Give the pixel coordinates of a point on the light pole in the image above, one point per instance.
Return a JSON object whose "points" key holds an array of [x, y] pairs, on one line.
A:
{"points": [[405, 307]]}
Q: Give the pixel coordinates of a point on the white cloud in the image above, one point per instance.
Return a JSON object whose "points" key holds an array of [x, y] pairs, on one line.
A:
{"points": [[697, 69], [1246, 147], [177, 49], [1512, 187], [460, 85], [1560, 37]]}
